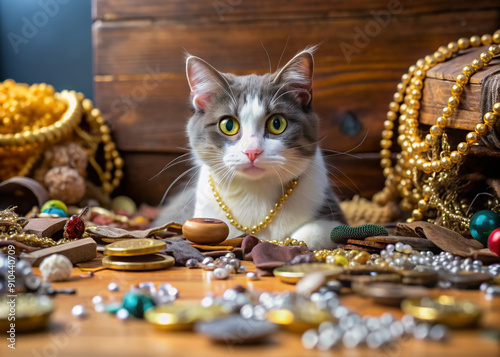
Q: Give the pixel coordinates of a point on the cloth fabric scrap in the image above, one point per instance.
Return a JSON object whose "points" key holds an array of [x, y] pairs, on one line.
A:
{"points": [[267, 256], [181, 250], [444, 238], [114, 232]]}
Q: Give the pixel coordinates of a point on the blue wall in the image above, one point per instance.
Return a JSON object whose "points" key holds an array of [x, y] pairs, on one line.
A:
{"points": [[47, 41]]}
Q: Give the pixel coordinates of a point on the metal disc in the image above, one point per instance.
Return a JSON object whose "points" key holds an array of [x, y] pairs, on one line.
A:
{"points": [[293, 273], [131, 247], [143, 262]]}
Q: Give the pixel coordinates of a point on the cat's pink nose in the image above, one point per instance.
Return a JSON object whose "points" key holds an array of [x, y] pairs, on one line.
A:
{"points": [[252, 154]]}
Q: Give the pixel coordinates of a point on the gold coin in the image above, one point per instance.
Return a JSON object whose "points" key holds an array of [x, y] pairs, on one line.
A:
{"points": [[32, 312], [182, 316], [130, 247], [142, 262], [293, 273], [299, 318], [443, 310]]}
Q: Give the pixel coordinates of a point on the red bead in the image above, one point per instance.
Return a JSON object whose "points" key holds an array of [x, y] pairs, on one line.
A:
{"points": [[494, 241]]}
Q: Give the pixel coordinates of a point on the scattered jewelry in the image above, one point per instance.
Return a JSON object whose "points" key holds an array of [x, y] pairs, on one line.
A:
{"points": [[113, 287]]}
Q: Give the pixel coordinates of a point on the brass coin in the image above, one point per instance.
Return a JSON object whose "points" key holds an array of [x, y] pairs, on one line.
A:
{"points": [[32, 312], [443, 310], [131, 247], [183, 316], [142, 262], [299, 318], [293, 273]]}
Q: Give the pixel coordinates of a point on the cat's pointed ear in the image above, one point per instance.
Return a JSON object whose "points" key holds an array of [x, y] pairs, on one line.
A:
{"points": [[297, 76], [204, 81]]}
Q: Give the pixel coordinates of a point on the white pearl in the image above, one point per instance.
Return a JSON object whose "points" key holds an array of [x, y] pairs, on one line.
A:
{"points": [[79, 311], [221, 273], [113, 287]]}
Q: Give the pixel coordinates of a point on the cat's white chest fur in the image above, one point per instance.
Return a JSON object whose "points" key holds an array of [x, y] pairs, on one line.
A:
{"points": [[250, 202]]}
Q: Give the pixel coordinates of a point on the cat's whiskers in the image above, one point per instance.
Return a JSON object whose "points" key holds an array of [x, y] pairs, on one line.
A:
{"points": [[174, 162], [176, 180], [231, 96], [289, 91]]}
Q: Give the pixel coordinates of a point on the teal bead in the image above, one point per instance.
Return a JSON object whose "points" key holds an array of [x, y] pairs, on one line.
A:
{"points": [[57, 211], [55, 204], [482, 224], [136, 303]]}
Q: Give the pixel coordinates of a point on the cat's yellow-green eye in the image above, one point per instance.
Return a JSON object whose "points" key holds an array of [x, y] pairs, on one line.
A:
{"points": [[229, 126], [276, 124]]}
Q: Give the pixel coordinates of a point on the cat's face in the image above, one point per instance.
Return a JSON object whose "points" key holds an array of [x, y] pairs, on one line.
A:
{"points": [[253, 126]]}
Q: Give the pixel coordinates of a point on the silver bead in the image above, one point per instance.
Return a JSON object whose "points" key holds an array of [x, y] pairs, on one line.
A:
{"points": [[230, 255], [438, 333], [374, 340], [192, 263], [79, 311], [99, 308], [328, 338], [122, 314], [310, 339], [390, 248], [97, 300], [113, 287], [259, 312], [207, 260], [236, 263], [399, 247], [407, 249], [493, 290], [230, 268], [242, 269], [397, 329], [386, 319], [421, 331], [246, 311], [209, 266], [252, 276], [221, 273]]}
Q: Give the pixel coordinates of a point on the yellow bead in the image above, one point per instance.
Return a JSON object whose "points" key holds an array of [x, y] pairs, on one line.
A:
{"points": [[398, 97], [416, 215], [385, 162], [477, 64], [405, 78], [420, 64], [468, 70], [472, 137], [393, 106], [486, 57], [422, 205], [453, 102], [462, 79], [475, 41], [494, 50], [457, 89], [456, 157], [486, 40], [463, 43], [268, 219], [445, 51], [442, 122], [436, 166], [429, 139], [431, 61], [388, 125], [447, 112], [387, 134], [435, 130], [420, 74], [391, 115], [446, 162], [272, 212], [490, 118], [426, 167], [385, 144], [453, 47], [496, 37], [481, 129], [463, 148]]}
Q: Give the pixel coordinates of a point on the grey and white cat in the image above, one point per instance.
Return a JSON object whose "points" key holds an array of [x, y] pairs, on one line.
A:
{"points": [[253, 134]]}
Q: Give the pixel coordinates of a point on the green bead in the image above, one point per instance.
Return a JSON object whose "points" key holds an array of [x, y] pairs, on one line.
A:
{"points": [[342, 233], [136, 303], [482, 224], [54, 204]]}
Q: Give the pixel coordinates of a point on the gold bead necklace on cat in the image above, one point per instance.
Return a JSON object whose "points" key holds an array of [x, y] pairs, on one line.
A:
{"points": [[267, 219]]}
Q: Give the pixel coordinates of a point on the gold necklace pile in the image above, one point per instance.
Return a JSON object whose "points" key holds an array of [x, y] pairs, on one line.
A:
{"points": [[267, 219], [35, 117], [425, 175], [11, 228]]}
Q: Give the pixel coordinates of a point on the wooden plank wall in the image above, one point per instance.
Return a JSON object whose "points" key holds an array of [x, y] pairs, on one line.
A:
{"points": [[139, 49]]}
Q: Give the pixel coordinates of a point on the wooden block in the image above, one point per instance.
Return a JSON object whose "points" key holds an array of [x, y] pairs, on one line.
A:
{"points": [[77, 251], [367, 243], [416, 243], [45, 227]]}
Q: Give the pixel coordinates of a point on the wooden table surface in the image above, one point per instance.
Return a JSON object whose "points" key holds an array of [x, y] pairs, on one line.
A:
{"points": [[102, 334]]}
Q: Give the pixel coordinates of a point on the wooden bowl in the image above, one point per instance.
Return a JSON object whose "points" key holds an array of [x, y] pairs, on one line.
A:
{"points": [[208, 231]]}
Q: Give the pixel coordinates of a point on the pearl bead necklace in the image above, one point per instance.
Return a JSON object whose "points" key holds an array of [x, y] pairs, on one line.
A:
{"points": [[423, 156], [267, 219]]}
